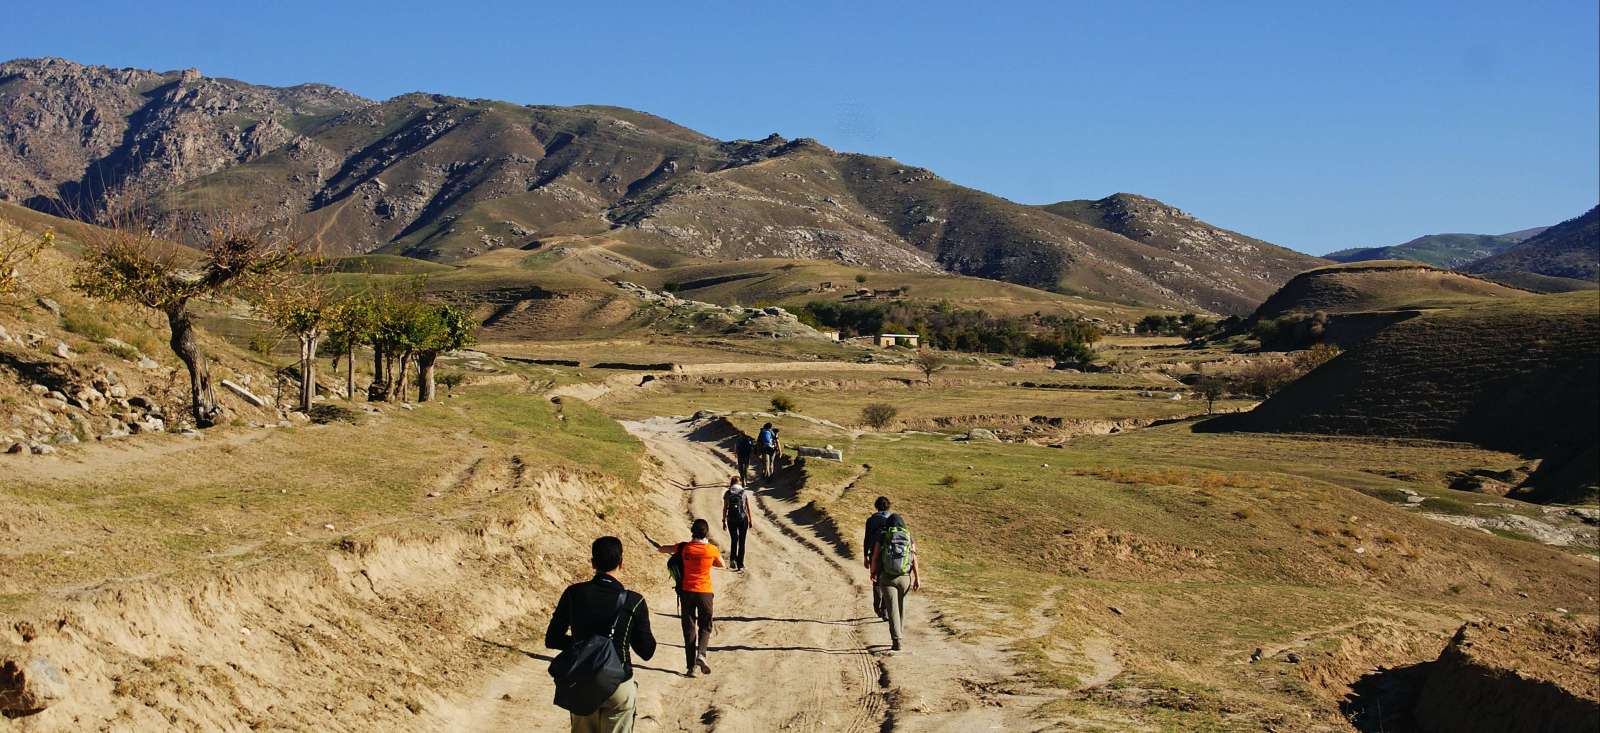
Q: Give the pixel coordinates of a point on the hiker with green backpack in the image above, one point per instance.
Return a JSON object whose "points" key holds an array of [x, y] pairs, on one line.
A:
{"points": [[595, 625], [894, 572]]}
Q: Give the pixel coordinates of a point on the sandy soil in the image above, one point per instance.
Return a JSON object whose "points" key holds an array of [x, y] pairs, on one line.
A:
{"points": [[796, 645]]}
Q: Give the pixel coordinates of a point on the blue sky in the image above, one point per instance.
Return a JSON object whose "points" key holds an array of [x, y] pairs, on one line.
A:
{"points": [[1317, 126]]}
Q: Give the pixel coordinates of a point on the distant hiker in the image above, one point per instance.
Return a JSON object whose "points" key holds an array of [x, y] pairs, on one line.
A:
{"points": [[743, 448], [894, 569], [595, 625], [767, 449], [869, 544], [736, 519], [694, 592]]}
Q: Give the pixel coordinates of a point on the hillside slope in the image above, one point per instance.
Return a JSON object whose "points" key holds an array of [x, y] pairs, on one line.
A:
{"points": [[1521, 375], [1382, 285], [445, 178], [1440, 250], [1570, 249]]}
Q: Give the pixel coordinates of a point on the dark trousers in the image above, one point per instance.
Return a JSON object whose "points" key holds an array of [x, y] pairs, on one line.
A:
{"points": [[696, 616], [744, 467], [737, 532]]}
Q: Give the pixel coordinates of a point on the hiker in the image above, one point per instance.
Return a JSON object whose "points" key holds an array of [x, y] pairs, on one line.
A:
{"points": [[694, 592], [743, 448], [595, 625], [736, 520], [767, 449], [894, 569], [869, 543]]}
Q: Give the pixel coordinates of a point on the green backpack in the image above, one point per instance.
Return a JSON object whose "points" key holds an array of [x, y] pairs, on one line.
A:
{"points": [[894, 552]]}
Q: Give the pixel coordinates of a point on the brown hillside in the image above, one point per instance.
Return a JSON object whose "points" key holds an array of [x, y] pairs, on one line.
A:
{"points": [[1521, 375], [1570, 249], [446, 179], [1379, 285]]}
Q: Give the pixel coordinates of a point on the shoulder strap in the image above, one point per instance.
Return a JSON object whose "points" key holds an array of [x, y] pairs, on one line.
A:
{"points": [[616, 616]]}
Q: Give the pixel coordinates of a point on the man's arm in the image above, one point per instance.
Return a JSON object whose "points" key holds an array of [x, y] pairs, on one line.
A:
{"points": [[556, 635], [640, 638]]}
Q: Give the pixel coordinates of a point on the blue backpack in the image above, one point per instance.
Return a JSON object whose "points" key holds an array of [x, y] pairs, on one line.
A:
{"points": [[767, 439]]}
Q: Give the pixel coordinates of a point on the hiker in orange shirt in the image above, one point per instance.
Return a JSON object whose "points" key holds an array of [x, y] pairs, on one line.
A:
{"points": [[694, 592]]}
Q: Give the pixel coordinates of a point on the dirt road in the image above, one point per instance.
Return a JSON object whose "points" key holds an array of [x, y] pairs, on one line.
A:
{"points": [[796, 645]]}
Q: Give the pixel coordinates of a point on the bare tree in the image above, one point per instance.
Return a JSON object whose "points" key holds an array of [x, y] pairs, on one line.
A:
{"points": [[128, 263], [929, 362]]}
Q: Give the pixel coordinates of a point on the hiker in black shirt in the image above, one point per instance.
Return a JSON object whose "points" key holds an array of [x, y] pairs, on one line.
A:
{"points": [[590, 609], [869, 544], [743, 448]]}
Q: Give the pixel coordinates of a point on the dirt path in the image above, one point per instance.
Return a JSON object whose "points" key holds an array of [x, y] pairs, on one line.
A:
{"points": [[796, 645]]}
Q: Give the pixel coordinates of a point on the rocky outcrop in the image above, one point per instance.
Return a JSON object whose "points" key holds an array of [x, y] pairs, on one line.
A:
{"points": [[1536, 674], [768, 322]]}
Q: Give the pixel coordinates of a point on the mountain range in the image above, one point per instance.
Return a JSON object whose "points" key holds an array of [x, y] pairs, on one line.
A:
{"points": [[1449, 251], [445, 179], [1569, 250]]}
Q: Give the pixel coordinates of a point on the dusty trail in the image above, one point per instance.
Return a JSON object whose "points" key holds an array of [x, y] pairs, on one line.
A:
{"points": [[796, 645]]}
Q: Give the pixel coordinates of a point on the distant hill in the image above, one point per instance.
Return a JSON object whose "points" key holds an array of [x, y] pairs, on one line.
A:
{"points": [[1239, 257], [1570, 249], [1449, 251], [1382, 285], [1519, 375], [446, 179]]}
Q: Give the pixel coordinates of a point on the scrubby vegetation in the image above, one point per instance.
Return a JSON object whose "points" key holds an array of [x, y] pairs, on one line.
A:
{"points": [[944, 326], [878, 415]]}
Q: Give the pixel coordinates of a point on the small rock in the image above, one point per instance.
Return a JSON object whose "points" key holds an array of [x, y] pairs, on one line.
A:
{"points": [[50, 305], [39, 389], [433, 495], [1116, 610], [40, 449], [1292, 658], [148, 363], [118, 392], [1562, 610], [328, 527], [63, 351]]}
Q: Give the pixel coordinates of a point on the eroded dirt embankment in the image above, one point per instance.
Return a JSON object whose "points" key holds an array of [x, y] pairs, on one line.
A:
{"points": [[373, 633]]}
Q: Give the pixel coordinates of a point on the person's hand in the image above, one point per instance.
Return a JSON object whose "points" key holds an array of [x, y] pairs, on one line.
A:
{"points": [[916, 584]]}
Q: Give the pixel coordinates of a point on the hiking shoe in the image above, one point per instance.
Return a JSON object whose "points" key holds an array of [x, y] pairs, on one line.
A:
{"points": [[689, 673], [895, 646], [705, 668]]}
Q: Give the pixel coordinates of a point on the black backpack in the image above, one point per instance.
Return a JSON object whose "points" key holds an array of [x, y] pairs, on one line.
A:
{"points": [[733, 507], [589, 671], [675, 568]]}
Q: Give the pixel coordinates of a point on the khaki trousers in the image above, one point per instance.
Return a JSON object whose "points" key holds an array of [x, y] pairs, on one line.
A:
{"points": [[615, 714]]}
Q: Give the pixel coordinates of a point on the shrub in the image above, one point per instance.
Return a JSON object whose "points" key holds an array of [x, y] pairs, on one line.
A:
{"points": [[878, 415], [861, 277], [1264, 378], [263, 342], [783, 403], [451, 380], [87, 325], [949, 479], [1315, 356], [120, 350]]}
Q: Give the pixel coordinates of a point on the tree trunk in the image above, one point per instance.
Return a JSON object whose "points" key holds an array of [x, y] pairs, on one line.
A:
{"points": [[308, 370], [379, 390], [425, 361], [202, 401], [400, 376], [350, 372]]}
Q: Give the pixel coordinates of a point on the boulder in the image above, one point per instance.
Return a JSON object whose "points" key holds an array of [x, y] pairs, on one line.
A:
{"points": [[49, 305], [29, 685], [983, 434], [243, 393], [827, 452], [63, 351]]}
